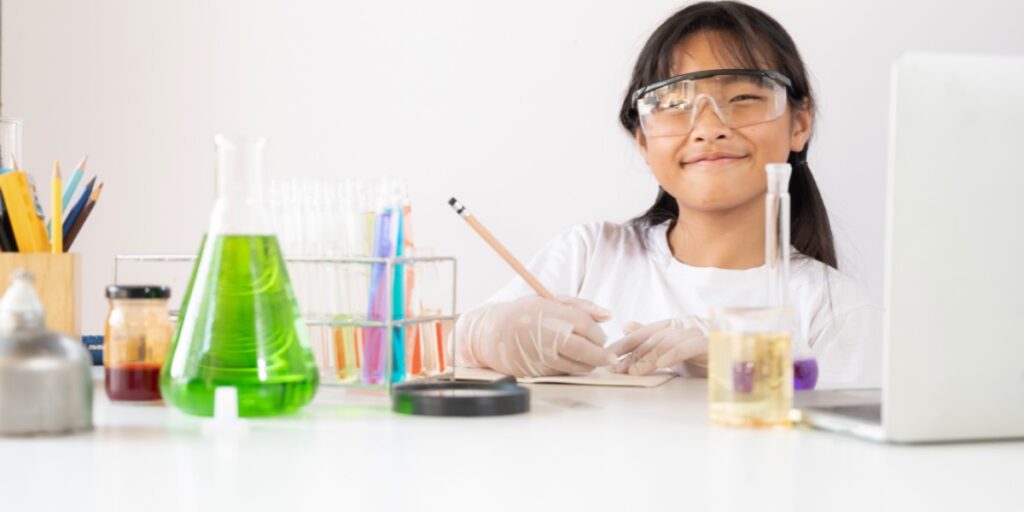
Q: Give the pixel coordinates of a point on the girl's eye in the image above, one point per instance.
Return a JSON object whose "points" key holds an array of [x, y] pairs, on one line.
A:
{"points": [[674, 102], [745, 98]]}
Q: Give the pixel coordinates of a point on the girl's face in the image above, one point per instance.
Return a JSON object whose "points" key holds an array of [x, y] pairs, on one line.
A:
{"points": [[715, 168]]}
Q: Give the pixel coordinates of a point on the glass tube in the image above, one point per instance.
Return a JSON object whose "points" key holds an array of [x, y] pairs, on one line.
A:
{"points": [[10, 143], [777, 260]]}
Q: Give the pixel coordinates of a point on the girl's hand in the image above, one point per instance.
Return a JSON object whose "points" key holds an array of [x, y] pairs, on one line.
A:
{"points": [[534, 336], [663, 344]]}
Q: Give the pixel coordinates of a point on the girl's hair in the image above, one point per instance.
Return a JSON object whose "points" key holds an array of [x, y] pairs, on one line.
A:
{"points": [[756, 40]]}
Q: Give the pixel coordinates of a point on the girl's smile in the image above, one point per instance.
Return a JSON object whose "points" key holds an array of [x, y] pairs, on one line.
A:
{"points": [[713, 160]]}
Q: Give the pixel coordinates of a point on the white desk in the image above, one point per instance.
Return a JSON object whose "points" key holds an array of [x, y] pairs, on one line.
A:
{"points": [[580, 448]]}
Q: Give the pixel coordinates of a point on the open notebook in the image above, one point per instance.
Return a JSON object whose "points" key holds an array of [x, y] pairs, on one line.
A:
{"points": [[599, 377]]}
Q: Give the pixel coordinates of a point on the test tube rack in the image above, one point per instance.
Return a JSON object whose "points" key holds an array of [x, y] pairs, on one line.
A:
{"points": [[325, 360]]}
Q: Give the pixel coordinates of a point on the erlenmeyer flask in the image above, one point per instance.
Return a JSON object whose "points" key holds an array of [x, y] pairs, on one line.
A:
{"points": [[239, 324]]}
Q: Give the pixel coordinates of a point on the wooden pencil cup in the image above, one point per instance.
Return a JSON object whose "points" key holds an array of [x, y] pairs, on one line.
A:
{"points": [[58, 280]]}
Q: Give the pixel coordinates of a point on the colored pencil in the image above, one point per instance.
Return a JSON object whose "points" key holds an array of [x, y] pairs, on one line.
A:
{"points": [[72, 216], [77, 226], [56, 210]]}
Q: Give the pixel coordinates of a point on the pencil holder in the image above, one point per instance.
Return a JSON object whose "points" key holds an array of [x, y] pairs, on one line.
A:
{"points": [[58, 279]]}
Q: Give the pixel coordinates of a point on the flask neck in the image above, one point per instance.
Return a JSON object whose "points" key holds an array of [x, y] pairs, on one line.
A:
{"points": [[239, 207]]}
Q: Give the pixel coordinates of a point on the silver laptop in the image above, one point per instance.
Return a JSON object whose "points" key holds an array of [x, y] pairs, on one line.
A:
{"points": [[953, 365]]}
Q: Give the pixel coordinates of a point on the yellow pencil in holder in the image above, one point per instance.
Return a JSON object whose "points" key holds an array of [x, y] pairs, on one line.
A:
{"points": [[58, 279]]}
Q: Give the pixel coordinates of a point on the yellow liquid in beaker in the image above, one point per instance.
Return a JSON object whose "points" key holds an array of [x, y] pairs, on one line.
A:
{"points": [[750, 379]]}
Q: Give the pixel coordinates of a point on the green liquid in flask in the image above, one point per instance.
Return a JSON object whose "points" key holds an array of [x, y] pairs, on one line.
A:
{"points": [[240, 326]]}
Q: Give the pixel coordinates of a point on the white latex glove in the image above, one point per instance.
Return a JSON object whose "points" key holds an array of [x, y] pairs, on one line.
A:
{"points": [[534, 336], [663, 344]]}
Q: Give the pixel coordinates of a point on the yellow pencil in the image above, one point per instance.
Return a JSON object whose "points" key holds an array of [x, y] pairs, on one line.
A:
{"points": [[57, 212]]}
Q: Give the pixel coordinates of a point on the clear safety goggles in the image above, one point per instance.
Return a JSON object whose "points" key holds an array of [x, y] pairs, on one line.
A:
{"points": [[740, 97]]}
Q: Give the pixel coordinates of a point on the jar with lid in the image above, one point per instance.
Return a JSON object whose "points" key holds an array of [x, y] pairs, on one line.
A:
{"points": [[138, 336]]}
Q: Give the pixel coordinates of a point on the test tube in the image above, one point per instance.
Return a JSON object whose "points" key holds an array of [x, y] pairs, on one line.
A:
{"points": [[429, 303], [776, 234], [375, 342]]}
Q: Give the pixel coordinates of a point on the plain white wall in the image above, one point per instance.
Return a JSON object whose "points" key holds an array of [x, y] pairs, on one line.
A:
{"points": [[510, 106]]}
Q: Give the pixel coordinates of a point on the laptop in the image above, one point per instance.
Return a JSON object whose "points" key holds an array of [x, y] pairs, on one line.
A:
{"points": [[953, 363]]}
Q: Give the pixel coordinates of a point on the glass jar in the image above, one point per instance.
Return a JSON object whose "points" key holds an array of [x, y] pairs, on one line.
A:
{"points": [[138, 336]]}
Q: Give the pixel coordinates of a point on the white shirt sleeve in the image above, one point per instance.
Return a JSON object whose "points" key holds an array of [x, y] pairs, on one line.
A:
{"points": [[560, 266]]}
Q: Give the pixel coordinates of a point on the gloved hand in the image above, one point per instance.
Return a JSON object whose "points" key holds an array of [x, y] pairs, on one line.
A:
{"points": [[663, 344], [534, 336]]}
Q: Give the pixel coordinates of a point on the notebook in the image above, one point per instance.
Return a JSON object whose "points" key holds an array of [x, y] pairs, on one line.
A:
{"points": [[599, 377]]}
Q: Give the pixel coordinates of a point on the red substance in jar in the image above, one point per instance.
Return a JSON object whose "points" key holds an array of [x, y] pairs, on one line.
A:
{"points": [[133, 382]]}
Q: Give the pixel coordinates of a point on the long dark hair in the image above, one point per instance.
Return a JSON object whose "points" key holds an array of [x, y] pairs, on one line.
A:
{"points": [[757, 38]]}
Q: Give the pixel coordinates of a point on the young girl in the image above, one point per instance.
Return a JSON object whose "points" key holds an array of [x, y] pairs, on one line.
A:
{"points": [[718, 92]]}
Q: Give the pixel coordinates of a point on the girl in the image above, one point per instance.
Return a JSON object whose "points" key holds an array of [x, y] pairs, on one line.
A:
{"points": [[718, 91]]}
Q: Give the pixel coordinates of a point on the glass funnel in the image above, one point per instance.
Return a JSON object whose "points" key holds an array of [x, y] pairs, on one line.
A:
{"points": [[239, 324]]}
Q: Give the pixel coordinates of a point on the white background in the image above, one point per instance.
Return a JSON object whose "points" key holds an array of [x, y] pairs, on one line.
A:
{"points": [[510, 106]]}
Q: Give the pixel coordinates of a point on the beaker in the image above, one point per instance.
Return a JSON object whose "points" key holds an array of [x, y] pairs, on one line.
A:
{"points": [[750, 371], [240, 325]]}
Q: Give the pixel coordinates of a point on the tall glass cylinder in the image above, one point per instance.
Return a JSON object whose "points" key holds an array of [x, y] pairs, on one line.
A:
{"points": [[777, 249], [776, 234], [239, 324]]}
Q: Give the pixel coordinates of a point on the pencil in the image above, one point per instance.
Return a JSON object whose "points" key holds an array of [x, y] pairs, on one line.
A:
{"points": [[80, 221], [69, 191], [56, 210], [76, 210], [73, 182], [500, 249]]}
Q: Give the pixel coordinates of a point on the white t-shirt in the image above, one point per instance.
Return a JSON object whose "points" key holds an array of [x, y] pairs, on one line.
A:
{"points": [[606, 264]]}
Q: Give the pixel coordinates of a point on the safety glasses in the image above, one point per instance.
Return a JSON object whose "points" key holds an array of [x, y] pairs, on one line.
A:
{"points": [[739, 97]]}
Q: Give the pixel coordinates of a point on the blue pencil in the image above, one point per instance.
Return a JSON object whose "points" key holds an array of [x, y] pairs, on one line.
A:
{"points": [[69, 190], [69, 219]]}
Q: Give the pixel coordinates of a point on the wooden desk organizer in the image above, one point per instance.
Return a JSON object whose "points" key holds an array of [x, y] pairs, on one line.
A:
{"points": [[58, 280]]}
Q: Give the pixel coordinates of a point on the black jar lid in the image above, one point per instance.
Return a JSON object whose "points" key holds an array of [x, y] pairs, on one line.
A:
{"points": [[447, 398], [138, 291]]}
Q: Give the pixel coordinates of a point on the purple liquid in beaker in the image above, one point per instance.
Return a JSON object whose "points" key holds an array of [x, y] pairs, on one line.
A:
{"points": [[805, 373], [743, 376]]}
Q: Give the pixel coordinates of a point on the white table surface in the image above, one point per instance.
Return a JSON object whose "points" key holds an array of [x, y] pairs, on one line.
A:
{"points": [[580, 448]]}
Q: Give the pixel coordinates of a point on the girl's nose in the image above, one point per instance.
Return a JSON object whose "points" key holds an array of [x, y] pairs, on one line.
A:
{"points": [[707, 124]]}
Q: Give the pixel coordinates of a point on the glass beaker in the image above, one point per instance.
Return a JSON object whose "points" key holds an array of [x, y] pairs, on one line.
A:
{"points": [[239, 324], [750, 370]]}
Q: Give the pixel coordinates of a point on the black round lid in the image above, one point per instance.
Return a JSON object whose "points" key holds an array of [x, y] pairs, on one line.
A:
{"points": [[138, 291], [460, 398]]}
